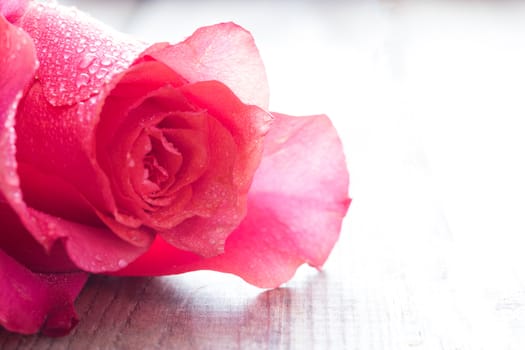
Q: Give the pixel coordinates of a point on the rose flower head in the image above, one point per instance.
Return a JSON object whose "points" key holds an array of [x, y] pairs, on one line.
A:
{"points": [[128, 158]]}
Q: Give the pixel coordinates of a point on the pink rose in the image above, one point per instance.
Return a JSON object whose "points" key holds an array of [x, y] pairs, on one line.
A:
{"points": [[125, 158]]}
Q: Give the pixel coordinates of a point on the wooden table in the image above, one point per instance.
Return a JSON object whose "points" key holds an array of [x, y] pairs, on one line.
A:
{"points": [[429, 102]]}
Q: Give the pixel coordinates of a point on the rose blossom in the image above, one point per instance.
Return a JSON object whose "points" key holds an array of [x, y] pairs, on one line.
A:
{"points": [[132, 159]]}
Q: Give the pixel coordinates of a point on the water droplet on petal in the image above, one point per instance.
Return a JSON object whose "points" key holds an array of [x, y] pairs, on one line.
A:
{"points": [[106, 61], [93, 68], [102, 72], [122, 263], [86, 61], [52, 99], [82, 80]]}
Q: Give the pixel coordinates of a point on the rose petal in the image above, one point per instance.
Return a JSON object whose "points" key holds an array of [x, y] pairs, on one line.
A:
{"points": [[304, 175], [223, 52], [92, 249], [78, 55], [30, 301], [17, 242], [17, 66], [295, 209], [76, 246]]}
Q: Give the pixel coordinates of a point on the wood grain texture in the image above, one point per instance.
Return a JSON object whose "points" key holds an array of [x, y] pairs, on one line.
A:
{"points": [[428, 99], [316, 310], [162, 313]]}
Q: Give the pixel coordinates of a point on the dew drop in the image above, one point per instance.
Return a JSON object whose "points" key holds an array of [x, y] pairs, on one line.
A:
{"points": [[101, 73], [122, 263], [82, 91], [93, 68], [82, 80], [86, 61], [106, 61]]}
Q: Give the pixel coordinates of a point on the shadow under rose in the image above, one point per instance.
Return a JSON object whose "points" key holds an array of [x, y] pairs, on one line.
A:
{"points": [[203, 310]]}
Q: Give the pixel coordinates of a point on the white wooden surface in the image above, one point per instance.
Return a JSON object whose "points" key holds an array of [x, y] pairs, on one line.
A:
{"points": [[429, 100]]}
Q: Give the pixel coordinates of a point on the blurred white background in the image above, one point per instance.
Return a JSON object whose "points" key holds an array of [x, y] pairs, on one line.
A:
{"points": [[428, 99]]}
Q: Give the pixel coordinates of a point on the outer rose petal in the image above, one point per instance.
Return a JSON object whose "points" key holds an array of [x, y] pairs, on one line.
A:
{"points": [[295, 209], [223, 52], [17, 66], [29, 301]]}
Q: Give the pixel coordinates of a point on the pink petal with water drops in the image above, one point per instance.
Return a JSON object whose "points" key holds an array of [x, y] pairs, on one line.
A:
{"points": [[78, 55], [17, 66]]}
